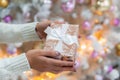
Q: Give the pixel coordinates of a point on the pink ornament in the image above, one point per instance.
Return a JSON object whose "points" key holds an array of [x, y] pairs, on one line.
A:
{"points": [[110, 69], [86, 25], [68, 6], [112, 8], [116, 22], [94, 54], [11, 49], [7, 19], [77, 64]]}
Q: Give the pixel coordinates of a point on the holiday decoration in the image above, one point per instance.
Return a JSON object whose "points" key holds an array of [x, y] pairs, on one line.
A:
{"points": [[11, 49], [117, 48], [99, 30], [4, 3], [7, 19], [68, 5], [87, 25], [116, 22], [101, 5]]}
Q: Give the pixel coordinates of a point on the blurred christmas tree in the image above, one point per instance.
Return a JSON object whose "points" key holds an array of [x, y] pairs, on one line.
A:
{"points": [[99, 20]]}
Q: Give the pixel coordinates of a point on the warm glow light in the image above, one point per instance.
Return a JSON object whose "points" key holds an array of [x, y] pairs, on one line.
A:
{"points": [[106, 3], [107, 50], [80, 52], [100, 13], [96, 21], [98, 34], [102, 41], [90, 48], [38, 78], [83, 46], [50, 75], [45, 76]]}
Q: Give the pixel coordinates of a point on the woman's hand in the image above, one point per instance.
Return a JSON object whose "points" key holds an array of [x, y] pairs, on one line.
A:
{"points": [[45, 61], [41, 26]]}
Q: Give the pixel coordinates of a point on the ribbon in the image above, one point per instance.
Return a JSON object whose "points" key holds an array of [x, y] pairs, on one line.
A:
{"points": [[59, 33]]}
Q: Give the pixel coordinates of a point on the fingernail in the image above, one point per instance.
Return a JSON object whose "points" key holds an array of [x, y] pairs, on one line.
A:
{"points": [[74, 64], [59, 57], [57, 53]]}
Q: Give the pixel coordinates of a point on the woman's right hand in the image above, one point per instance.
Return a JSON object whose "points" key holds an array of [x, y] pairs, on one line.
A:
{"points": [[44, 61]]}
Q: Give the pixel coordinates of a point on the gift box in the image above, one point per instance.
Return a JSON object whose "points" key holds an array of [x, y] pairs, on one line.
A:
{"points": [[62, 38]]}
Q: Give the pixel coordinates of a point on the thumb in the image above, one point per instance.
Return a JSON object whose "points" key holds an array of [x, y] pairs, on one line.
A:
{"points": [[45, 23]]}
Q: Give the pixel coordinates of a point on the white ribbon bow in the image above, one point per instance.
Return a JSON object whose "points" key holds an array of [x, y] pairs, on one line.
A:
{"points": [[60, 34]]}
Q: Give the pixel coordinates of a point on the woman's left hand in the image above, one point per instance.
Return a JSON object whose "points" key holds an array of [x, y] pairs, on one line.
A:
{"points": [[41, 26]]}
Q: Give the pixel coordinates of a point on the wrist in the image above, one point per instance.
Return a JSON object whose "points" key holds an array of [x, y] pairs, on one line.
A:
{"points": [[29, 58], [37, 31]]}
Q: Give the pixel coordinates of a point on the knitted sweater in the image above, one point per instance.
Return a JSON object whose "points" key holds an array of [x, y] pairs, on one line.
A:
{"points": [[11, 33]]}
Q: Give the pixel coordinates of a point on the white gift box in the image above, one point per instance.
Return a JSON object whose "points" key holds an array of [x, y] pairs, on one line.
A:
{"points": [[62, 38]]}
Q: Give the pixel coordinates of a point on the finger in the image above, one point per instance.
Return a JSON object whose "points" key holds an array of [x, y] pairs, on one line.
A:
{"points": [[56, 71], [60, 69], [52, 54], [60, 63], [59, 22], [45, 23], [63, 63], [68, 69]]}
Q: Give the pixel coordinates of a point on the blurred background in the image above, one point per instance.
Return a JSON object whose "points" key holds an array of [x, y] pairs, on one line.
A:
{"points": [[99, 21]]}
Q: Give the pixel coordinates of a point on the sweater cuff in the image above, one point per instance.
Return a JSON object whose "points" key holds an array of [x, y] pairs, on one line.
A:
{"points": [[29, 32], [18, 64]]}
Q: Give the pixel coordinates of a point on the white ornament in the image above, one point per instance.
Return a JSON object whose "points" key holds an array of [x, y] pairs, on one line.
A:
{"points": [[86, 14], [100, 60], [106, 68], [74, 15], [98, 77], [84, 64], [43, 12], [107, 21], [114, 74], [96, 45], [112, 38], [97, 27]]}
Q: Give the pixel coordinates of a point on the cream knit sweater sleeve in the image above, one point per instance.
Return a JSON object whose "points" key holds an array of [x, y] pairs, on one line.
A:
{"points": [[11, 67], [10, 33]]}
